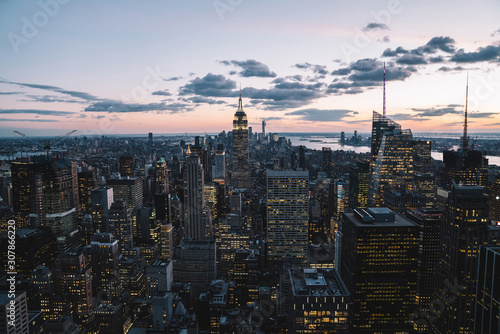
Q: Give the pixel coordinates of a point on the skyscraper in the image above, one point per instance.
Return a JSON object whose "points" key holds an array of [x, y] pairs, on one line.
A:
{"points": [[161, 185], [127, 165], [379, 267], [106, 278], [219, 169], [392, 168], [487, 306], [120, 225], [194, 200], [241, 172], [287, 216], [464, 231], [359, 179]]}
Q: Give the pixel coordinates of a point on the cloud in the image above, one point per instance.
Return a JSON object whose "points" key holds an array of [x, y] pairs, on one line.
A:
{"points": [[481, 114], [490, 52], [319, 69], [385, 39], [10, 93], [251, 68], [162, 93], [448, 69], [49, 99], [120, 107], [80, 95], [202, 99], [411, 59], [375, 26], [210, 85], [436, 112], [174, 78], [445, 44], [496, 32], [393, 53], [37, 112], [322, 115], [27, 120]]}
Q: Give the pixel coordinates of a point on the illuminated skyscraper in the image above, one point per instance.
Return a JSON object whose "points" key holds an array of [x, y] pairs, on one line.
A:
{"points": [[392, 167], [120, 225], [359, 180], [128, 189], [240, 172], [161, 177], [219, 169], [379, 268], [464, 231], [106, 277], [380, 125], [127, 165], [287, 215]]}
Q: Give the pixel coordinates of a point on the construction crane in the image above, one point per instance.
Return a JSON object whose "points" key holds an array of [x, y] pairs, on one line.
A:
{"points": [[47, 145], [473, 143]]}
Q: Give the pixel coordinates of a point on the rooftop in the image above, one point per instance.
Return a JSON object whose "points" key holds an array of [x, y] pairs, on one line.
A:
{"points": [[317, 282]]}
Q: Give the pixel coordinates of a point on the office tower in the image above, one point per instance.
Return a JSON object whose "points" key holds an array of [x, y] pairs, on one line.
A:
{"points": [[195, 263], [302, 157], [327, 159], [18, 322], [379, 268], [318, 301], [425, 184], [244, 273], [33, 248], [429, 221], [194, 200], [42, 278], [166, 241], [144, 222], [160, 184], [87, 181], [72, 278], [404, 200], [393, 165], [219, 169], [240, 172], [218, 300], [120, 225], [86, 229], [127, 189], [264, 128], [465, 166], [233, 235], [494, 198], [422, 156], [359, 180], [338, 251], [487, 303], [341, 197], [63, 324], [46, 190], [111, 318], [211, 199], [380, 125], [132, 276], [101, 201], [159, 277], [106, 278], [150, 139], [287, 216], [464, 231], [127, 166], [342, 138]]}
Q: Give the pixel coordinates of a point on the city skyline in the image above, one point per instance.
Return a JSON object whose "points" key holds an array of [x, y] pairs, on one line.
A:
{"points": [[172, 67]]}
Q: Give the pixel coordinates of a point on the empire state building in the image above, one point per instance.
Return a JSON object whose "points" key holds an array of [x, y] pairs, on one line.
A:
{"points": [[241, 174]]}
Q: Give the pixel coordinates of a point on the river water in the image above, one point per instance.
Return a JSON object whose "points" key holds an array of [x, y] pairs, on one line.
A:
{"points": [[318, 143]]}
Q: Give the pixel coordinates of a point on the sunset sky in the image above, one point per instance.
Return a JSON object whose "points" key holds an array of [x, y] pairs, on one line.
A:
{"points": [[165, 66]]}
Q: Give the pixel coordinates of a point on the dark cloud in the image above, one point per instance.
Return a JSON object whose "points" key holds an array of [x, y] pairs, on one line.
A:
{"points": [[174, 78], [322, 115], [49, 99], [385, 39], [319, 69], [445, 44], [251, 68], [437, 59], [27, 120], [80, 95], [406, 117], [365, 65], [496, 32], [411, 59], [164, 92], [120, 107], [490, 52], [37, 112], [202, 100], [448, 69], [342, 71], [10, 93], [393, 53], [273, 118], [481, 114], [210, 85], [375, 26]]}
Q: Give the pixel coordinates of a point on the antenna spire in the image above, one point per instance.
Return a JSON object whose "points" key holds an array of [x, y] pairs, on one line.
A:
{"points": [[465, 139], [240, 102], [384, 89]]}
